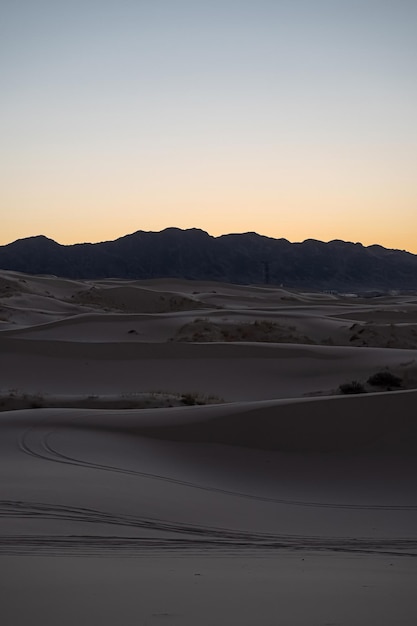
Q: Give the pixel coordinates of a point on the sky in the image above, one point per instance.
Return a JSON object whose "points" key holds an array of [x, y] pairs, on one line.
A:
{"points": [[291, 118]]}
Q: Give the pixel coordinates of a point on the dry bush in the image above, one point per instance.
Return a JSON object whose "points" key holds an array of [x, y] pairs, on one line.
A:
{"points": [[353, 387]]}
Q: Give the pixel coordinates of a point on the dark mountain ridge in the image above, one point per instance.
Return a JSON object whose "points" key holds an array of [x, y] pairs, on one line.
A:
{"points": [[237, 258]]}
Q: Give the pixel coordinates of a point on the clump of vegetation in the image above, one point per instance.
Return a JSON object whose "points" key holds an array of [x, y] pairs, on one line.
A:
{"points": [[192, 399], [13, 399], [36, 405], [189, 399], [385, 379], [353, 387], [205, 330]]}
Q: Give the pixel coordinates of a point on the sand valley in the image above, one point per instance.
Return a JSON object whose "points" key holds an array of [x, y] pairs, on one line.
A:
{"points": [[190, 453]]}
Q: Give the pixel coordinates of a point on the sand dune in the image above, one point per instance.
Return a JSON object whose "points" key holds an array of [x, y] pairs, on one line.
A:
{"points": [[232, 371], [204, 436], [133, 299]]}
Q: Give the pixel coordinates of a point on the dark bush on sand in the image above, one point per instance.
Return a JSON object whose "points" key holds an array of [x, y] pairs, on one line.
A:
{"points": [[352, 387], [385, 379]]}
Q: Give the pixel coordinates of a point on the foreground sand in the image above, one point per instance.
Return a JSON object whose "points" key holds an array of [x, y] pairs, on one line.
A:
{"points": [[257, 494]]}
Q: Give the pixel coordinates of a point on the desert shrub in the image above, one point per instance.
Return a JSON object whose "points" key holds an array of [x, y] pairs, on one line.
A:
{"points": [[353, 387], [189, 399], [384, 379]]}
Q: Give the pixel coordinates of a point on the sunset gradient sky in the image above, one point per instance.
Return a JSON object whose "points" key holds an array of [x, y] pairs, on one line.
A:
{"points": [[291, 118]]}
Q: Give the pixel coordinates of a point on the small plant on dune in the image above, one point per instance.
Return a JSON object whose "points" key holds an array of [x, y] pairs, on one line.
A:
{"points": [[385, 379], [353, 387], [190, 399], [193, 399]]}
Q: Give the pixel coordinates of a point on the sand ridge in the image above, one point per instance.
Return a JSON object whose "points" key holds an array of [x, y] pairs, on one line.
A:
{"points": [[175, 423]]}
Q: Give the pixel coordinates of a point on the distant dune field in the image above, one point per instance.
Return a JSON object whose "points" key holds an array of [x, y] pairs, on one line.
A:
{"points": [[166, 442]]}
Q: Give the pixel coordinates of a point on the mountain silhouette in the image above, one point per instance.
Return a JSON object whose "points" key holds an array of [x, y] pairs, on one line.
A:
{"points": [[246, 258]]}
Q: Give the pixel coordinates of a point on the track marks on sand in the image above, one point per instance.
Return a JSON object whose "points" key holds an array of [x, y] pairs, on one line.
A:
{"points": [[189, 537], [37, 443]]}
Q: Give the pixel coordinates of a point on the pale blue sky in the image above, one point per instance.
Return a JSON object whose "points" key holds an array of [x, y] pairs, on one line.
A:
{"points": [[291, 118]]}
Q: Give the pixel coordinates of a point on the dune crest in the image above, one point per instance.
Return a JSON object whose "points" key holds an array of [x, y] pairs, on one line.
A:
{"points": [[205, 430]]}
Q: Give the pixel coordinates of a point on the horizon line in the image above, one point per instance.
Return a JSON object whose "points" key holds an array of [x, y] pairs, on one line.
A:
{"points": [[195, 228]]}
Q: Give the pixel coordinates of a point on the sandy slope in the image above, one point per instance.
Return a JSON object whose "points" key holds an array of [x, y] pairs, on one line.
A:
{"points": [[270, 506]]}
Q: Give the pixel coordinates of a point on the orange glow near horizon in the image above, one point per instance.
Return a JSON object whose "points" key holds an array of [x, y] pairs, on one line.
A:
{"points": [[292, 222], [293, 120], [294, 204]]}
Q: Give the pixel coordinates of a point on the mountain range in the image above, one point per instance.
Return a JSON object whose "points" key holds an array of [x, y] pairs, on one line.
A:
{"points": [[246, 258]]}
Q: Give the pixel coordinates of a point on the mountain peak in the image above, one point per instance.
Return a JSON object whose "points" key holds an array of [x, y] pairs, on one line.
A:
{"points": [[234, 258]]}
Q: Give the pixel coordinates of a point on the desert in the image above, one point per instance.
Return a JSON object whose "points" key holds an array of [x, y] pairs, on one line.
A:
{"points": [[196, 452]]}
